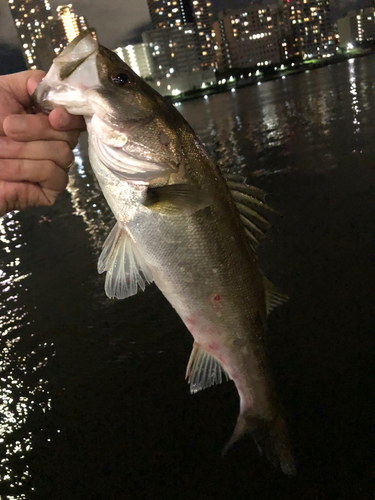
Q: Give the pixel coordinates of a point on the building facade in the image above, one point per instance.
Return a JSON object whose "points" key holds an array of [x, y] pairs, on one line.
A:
{"points": [[169, 14], [311, 32], [137, 57], [356, 27], [247, 38], [172, 50], [194, 15], [32, 19], [72, 25], [203, 19], [43, 36]]}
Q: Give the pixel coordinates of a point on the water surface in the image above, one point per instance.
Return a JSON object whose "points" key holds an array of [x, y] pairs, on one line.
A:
{"points": [[93, 402]]}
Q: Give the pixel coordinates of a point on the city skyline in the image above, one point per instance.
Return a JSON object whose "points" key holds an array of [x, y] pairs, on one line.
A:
{"points": [[130, 19]]}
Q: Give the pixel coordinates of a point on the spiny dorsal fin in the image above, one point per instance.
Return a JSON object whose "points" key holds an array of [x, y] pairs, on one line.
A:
{"points": [[274, 297], [251, 191], [126, 268], [250, 203], [203, 370]]}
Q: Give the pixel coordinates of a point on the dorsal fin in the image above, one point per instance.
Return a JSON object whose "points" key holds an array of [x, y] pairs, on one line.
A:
{"points": [[274, 297], [250, 203], [203, 370]]}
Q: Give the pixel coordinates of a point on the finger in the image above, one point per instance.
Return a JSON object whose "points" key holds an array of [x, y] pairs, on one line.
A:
{"points": [[36, 127], [57, 151], [60, 119], [34, 79], [19, 85], [43, 172]]}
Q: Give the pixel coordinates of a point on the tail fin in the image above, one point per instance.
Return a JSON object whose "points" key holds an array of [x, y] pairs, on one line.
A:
{"points": [[271, 438]]}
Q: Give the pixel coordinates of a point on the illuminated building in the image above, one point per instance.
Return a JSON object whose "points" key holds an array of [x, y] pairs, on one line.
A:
{"points": [[202, 10], [168, 14], [195, 15], [247, 38], [311, 28], [172, 51], [356, 27], [32, 19], [136, 56], [69, 20]]}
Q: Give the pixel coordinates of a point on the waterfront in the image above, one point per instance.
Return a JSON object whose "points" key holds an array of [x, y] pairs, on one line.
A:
{"points": [[94, 402]]}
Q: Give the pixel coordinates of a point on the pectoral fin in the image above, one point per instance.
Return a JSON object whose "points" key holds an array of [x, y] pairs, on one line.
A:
{"points": [[177, 199], [126, 268]]}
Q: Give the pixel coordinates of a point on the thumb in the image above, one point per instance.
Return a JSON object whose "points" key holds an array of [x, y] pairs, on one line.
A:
{"points": [[34, 79]]}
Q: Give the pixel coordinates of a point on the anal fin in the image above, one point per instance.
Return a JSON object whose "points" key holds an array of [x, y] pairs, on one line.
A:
{"points": [[126, 268], [203, 370]]}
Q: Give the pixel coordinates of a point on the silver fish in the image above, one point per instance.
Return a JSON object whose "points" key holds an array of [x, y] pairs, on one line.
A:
{"points": [[179, 224]]}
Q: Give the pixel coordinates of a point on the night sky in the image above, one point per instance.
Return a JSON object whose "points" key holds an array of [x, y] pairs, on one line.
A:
{"points": [[115, 25]]}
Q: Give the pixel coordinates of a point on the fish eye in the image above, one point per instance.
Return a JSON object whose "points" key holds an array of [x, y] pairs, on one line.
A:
{"points": [[119, 78]]}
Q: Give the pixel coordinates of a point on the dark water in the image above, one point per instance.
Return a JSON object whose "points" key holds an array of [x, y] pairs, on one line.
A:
{"points": [[93, 402]]}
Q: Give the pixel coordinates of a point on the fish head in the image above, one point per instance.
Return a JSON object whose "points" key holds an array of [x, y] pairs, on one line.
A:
{"points": [[128, 121]]}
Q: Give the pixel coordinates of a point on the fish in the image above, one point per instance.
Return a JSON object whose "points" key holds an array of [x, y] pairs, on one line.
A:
{"points": [[182, 223]]}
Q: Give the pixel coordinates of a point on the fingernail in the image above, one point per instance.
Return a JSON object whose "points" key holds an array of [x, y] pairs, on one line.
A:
{"points": [[17, 124], [64, 120]]}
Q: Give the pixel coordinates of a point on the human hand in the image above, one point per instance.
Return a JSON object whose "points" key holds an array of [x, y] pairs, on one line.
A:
{"points": [[35, 149]]}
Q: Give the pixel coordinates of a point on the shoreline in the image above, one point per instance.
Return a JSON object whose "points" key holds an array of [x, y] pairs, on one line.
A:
{"points": [[275, 75]]}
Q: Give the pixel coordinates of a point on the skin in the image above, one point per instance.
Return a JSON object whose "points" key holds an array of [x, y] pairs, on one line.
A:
{"points": [[35, 149]]}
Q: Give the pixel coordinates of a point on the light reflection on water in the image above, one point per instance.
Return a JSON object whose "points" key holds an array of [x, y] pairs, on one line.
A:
{"points": [[87, 199], [21, 389], [296, 124]]}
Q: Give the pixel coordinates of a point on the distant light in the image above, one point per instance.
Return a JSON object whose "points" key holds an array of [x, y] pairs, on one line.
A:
{"points": [[176, 92], [350, 46], [233, 90], [205, 96], [283, 77], [259, 83], [158, 84]]}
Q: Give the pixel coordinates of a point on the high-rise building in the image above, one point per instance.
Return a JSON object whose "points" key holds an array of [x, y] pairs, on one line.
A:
{"points": [[311, 28], [247, 38], [69, 20], [168, 14], [137, 57], [172, 51], [32, 19], [195, 15], [203, 18], [356, 26]]}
